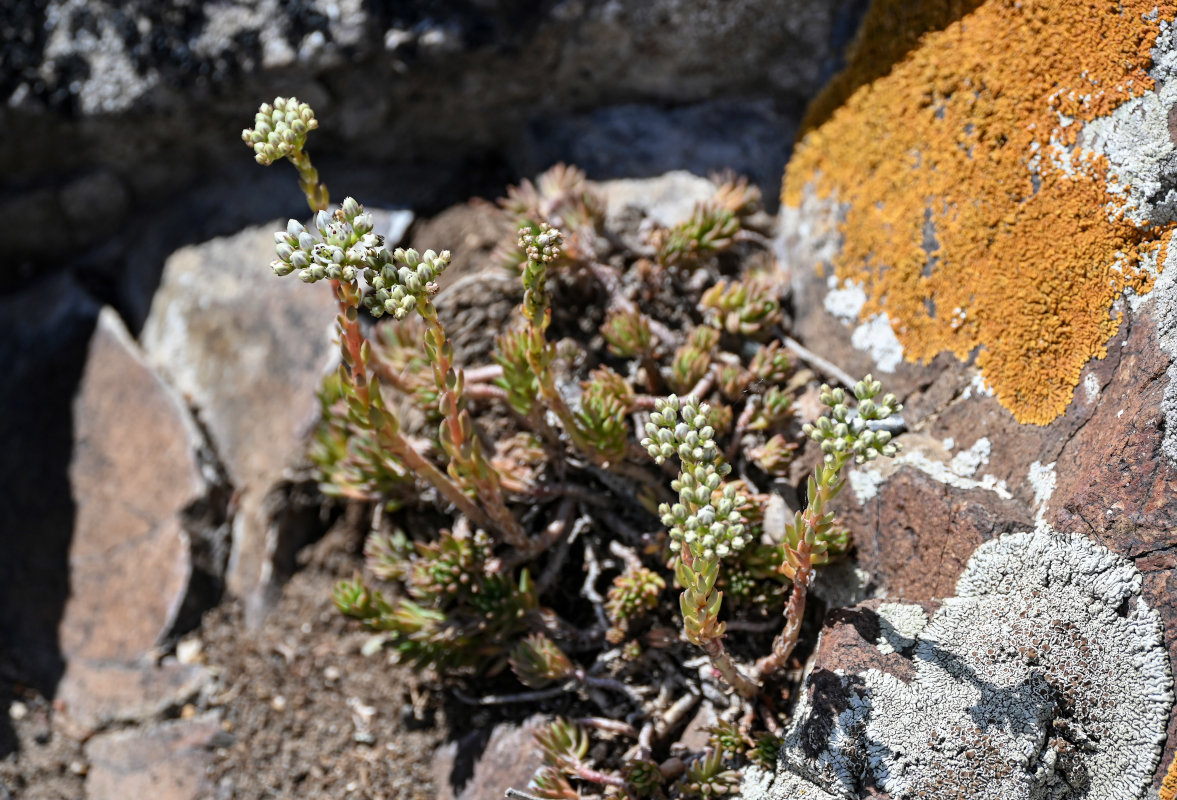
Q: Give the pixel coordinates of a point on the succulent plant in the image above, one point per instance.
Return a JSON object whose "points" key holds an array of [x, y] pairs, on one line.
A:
{"points": [[708, 776], [635, 591], [490, 474]]}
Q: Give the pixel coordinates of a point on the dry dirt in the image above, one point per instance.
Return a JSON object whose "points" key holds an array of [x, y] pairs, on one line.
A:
{"points": [[311, 716], [305, 713]]}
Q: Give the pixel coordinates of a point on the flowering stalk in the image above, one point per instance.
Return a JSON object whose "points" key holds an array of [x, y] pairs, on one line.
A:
{"points": [[401, 281], [847, 434], [280, 131], [468, 463], [705, 524], [542, 249]]}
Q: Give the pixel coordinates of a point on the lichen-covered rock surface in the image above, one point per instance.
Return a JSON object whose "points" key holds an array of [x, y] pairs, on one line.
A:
{"points": [[988, 229], [1045, 676], [108, 107]]}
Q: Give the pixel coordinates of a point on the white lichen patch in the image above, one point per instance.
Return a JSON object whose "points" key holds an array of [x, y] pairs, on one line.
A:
{"points": [[1165, 292], [844, 302], [900, 624], [1045, 677], [876, 337], [1042, 480], [1090, 387], [929, 456], [944, 473], [977, 386], [967, 462], [865, 483]]}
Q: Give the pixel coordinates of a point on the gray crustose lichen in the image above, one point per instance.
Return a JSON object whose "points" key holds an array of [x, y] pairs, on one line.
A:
{"points": [[1045, 677]]}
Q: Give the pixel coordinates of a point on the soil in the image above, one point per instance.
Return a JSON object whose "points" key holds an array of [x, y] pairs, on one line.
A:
{"points": [[43, 763], [306, 713], [310, 714]]}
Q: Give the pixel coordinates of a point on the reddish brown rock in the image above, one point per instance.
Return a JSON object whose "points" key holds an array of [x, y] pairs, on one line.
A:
{"points": [[905, 697], [164, 761], [1099, 469], [916, 534], [112, 518], [484, 763], [135, 472]]}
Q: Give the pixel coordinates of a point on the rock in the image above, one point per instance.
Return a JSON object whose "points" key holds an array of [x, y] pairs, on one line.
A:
{"points": [[667, 200], [483, 763], [630, 141], [135, 476], [696, 736], [249, 351], [164, 760], [1037, 368], [93, 204], [1046, 674], [161, 84], [95, 695], [134, 468], [134, 548]]}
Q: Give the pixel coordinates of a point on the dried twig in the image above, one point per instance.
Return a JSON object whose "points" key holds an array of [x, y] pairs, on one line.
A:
{"points": [[811, 358]]}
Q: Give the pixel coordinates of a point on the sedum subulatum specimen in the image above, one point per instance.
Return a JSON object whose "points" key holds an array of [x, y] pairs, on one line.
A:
{"points": [[524, 544]]}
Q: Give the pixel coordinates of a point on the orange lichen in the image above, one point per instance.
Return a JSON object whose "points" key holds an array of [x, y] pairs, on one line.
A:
{"points": [[1169, 784], [968, 221]]}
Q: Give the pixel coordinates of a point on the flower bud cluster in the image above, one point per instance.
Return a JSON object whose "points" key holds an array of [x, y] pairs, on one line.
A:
{"points": [[692, 439], [712, 527], [399, 279], [279, 130], [849, 431], [344, 246], [544, 246]]}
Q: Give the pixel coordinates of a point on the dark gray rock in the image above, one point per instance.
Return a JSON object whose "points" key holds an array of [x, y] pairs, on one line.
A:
{"points": [[752, 138], [44, 339], [155, 93]]}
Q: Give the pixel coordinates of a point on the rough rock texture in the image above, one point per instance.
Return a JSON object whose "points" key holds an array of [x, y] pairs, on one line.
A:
{"points": [[133, 548], [125, 101], [249, 351], [1044, 676], [131, 561], [970, 243], [483, 763], [165, 761], [970, 470]]}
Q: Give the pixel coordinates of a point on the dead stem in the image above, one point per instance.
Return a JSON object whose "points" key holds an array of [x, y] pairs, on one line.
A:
{"points": [[507, 699], [610, 725], [828, 368]]}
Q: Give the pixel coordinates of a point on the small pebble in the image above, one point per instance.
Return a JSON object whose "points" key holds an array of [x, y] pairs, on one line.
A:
{"points": [[79, 767], [332, 673], [278, 703], [190, 651], [188, 711], [18, 710]]}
